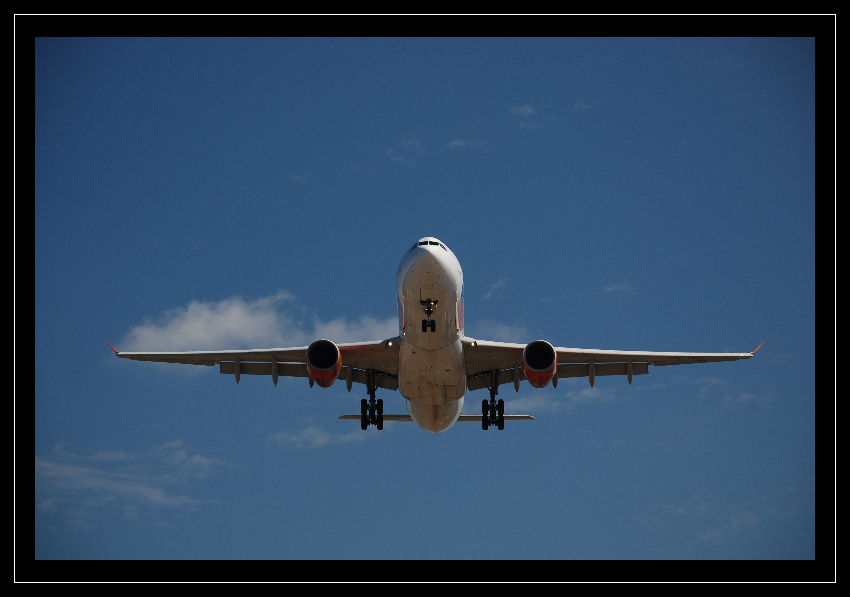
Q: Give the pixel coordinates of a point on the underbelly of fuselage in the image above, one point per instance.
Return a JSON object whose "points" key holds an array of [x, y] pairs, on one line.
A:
{"points": [[431, 365], [433, 382], [435, 417]]}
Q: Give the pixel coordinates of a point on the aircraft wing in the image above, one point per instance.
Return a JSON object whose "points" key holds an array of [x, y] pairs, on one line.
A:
{"points": [[380, 356], [484, 357]]}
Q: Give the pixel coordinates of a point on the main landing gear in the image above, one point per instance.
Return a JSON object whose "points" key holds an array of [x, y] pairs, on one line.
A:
{"points": [[493, 411], [371, 411]]}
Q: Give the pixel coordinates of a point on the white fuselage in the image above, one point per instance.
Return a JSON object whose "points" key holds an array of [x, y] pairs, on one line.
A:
{"points": [[431, 368]]}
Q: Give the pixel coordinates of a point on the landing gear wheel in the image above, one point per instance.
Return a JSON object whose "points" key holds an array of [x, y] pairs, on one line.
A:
{"points": [[433, 325], [493, 411], [371, 411], [424, 325], [364, 415]]}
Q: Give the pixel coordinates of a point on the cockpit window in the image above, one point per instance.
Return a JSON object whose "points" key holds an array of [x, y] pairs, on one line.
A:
{"points": [[430, 242]]}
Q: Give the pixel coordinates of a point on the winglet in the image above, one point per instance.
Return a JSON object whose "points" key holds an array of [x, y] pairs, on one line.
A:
{"points": [[757, 347], [116, 352]]}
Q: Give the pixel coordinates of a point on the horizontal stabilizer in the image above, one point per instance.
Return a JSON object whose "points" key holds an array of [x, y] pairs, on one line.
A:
{"points": [[403, 418], [461, 418], [477, 418]]}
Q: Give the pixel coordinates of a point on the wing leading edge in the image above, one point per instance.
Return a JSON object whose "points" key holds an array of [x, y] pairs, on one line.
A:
{"points": [[380, 356], [484, 358]]}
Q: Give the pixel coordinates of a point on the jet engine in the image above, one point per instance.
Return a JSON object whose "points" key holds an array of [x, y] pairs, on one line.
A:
{"points": [[324, 362], [539, 362]]}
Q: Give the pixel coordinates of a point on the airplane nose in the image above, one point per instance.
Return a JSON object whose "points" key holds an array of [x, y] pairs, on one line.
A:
{"points": [[426, 267], [426, 258]]}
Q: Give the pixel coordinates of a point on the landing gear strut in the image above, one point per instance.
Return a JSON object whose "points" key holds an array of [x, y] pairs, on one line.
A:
{"points": [[493, 411], [429, 323], [371, 412]]}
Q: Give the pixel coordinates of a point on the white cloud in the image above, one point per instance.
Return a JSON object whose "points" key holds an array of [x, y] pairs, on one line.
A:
{"points": [[736, 521], [496, 286], [365, 329], [484, 329], [532, 404], [313, 437], [721, 390], [718, 390], [621, 287], [710, 385], [590, 395], [239, 323], [230, 323], [464, 143], [183, 463], [408, 150], [528, 118], [79, 487]]}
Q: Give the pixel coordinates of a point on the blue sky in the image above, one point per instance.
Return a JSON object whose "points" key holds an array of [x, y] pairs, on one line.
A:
{"points": [[599, 193]]}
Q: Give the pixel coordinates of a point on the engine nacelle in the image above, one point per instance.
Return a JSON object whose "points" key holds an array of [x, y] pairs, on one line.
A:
{"points": [[324, 362], [539, 363]]}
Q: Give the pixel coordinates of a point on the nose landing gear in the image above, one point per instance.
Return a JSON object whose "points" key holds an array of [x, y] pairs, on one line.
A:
{"points": [[429, 323]]}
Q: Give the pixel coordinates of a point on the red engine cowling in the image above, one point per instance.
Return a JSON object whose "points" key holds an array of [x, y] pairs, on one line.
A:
{"points": [[539, 361], [324, 362]]}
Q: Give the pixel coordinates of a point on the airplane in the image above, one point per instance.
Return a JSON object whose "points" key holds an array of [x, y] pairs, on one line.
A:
{"points": [[432, 362]]}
